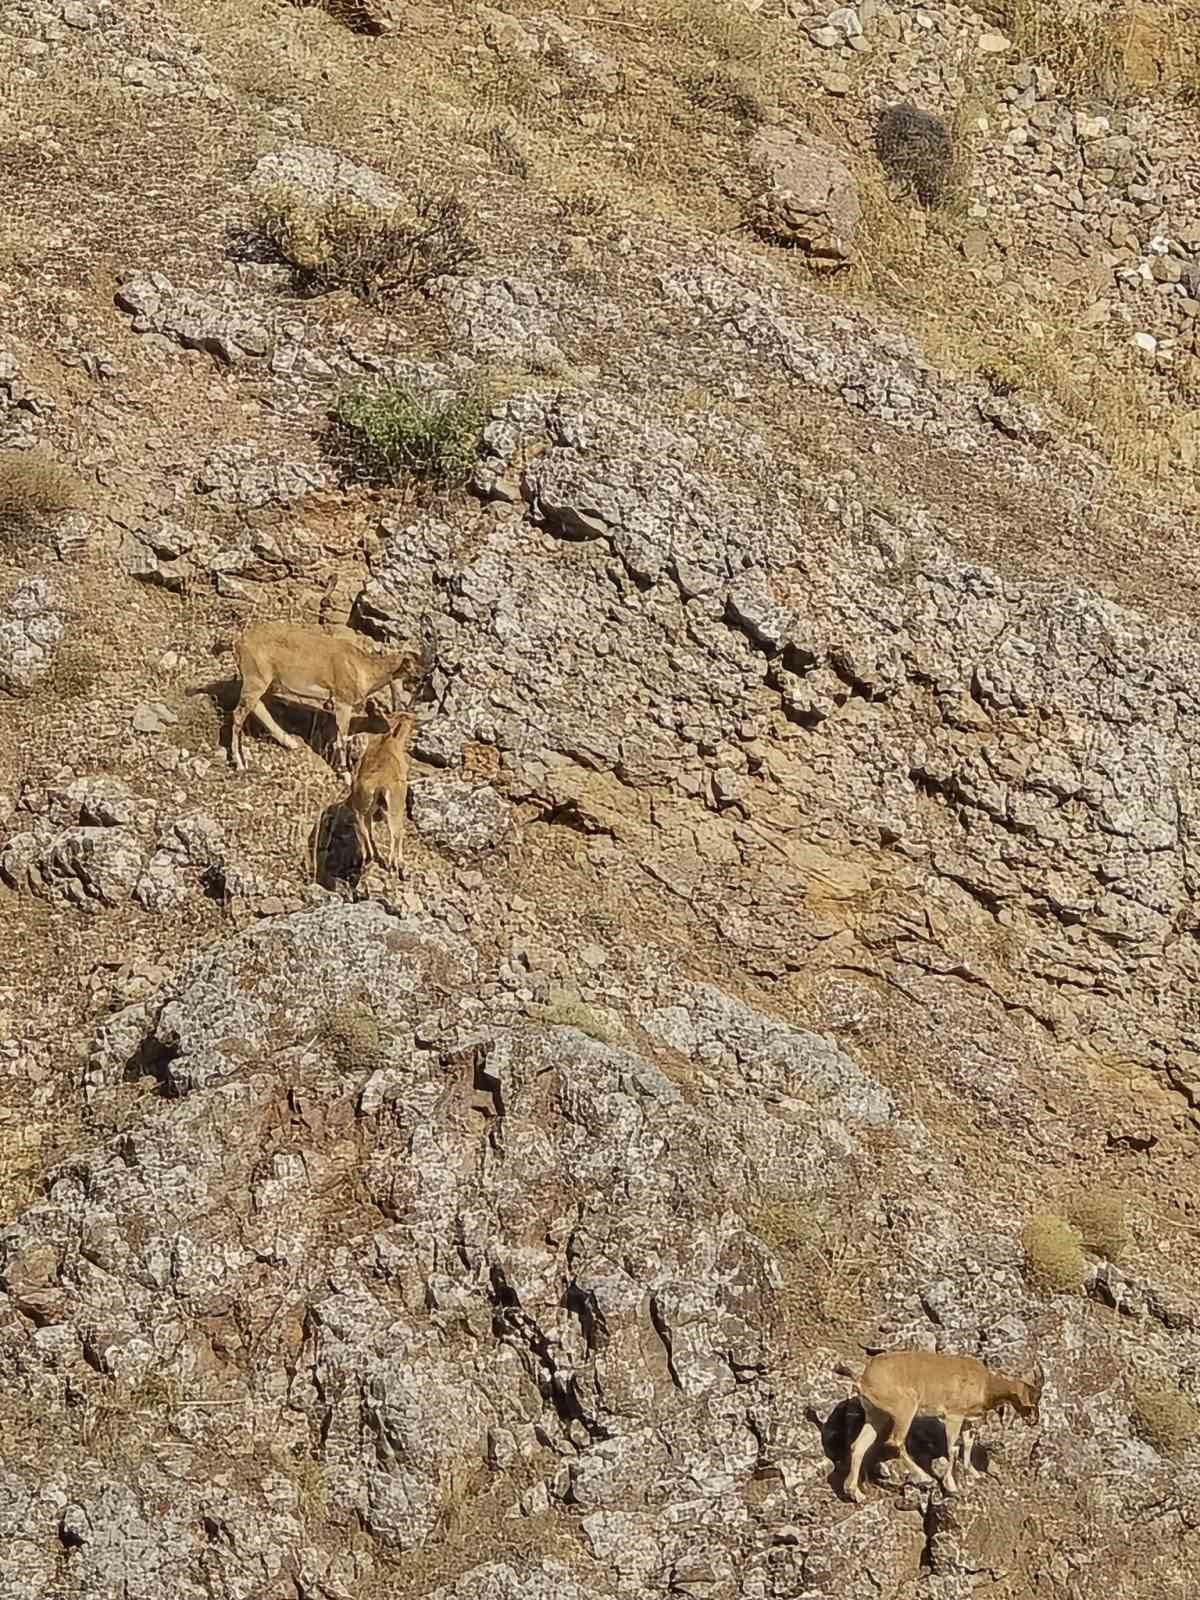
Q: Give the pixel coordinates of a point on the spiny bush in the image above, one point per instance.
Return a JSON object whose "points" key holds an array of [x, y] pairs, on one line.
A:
{"points": [[375, 251], [352, 1037], [1102, 1224], [352, 14], [1054, 1258], [1166, 1419], [34, 487], [388, 434], [916, 148]]}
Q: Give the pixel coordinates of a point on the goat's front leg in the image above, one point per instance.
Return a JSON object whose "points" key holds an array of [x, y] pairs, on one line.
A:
{"points": [[953, 1430], [341, 719]]}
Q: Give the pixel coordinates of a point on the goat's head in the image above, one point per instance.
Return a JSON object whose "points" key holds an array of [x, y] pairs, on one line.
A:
{"points": [[1027, 1395]]}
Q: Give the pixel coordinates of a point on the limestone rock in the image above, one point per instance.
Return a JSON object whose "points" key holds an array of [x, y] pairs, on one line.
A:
{"points": [[811, 201]]}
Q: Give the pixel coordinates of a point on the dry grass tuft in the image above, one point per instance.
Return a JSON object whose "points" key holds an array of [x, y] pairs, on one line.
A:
{"points": [[1054, 1258], [1166, 1419], [34, 488], [197, 725], [563, 1011], [723, 29], [820, 1257], [74, 673], [1102, 1224], [374, 252]]}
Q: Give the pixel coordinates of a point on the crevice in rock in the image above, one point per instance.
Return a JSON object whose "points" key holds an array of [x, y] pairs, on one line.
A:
{"points": [[662, 1329], [583, 1305], [514, 1326]]}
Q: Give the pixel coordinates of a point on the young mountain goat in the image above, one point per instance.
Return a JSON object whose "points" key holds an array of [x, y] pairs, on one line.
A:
{"points": [[318, 667], [899, 1385], [381, 784]]}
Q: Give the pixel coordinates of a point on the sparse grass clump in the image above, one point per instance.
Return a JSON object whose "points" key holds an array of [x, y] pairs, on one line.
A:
{"points": [[352, 1037], [563, 1011], [724, 29], [376, 252], [817, 1254], [34, 488], [1102, 1224], [1054, 1258], [1166, 1419], [726, 91], [197, 725], [393, 433], [75, 670]]}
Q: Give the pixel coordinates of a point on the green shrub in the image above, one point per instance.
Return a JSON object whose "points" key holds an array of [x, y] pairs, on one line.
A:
{"points": [[374, 251], [1102, 1223], [1054, 1258], [1166, 1419], [392, 433]]}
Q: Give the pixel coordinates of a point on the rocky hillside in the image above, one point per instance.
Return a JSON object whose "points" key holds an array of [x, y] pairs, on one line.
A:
{"points": [[788, 420]]}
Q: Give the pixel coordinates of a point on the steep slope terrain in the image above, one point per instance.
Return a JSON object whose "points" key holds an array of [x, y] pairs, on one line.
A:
{"points": [[797, 949]]}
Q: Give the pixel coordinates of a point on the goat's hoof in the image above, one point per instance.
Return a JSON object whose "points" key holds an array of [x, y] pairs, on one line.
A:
{"points": [[857, 1496]]}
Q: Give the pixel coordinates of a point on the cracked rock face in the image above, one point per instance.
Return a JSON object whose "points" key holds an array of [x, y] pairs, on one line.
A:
{"points": [[567, 1301]]}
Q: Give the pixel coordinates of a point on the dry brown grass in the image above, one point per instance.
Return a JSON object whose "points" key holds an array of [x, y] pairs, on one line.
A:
{"points": [[74, 673], [22, 1159], [1084, 42], [34, 489], [822, 1259]]}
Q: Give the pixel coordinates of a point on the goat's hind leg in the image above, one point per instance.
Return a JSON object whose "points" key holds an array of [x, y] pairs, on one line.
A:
{"points": [[874, 1423], [899, 1437], [250, 704]]}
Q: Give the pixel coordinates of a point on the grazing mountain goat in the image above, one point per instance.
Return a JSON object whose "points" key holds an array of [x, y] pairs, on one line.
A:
{"points": [[899, 1385], [318, 667]]}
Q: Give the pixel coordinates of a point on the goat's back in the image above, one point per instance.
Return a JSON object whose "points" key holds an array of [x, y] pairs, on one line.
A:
{"points": [[306, 659], [929, 1377], [384, 763]]}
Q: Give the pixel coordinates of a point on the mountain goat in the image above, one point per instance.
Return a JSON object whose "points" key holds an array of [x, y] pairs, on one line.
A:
{"points": [[317, 667], [898, 1385]]}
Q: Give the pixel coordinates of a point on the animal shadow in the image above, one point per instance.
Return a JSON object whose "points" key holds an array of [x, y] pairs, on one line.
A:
{"points": [[926, 1442], [334, 854]]}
